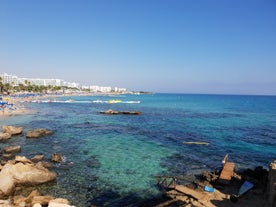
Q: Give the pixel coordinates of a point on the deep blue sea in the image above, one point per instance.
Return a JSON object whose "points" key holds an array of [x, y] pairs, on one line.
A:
{"points": [[112, 160]]}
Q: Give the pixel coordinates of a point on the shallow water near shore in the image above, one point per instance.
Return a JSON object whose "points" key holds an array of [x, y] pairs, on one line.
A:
{"points": [[112, 160]]}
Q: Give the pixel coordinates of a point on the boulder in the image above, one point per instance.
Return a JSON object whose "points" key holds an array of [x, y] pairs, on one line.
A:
{"points": [[5, 203], [22, 159], [8, 156], [56, 157], [36, 133], [31, 195], [4, 136], [13, 130], [12, 149], [60, 200], [45, 164], [25, 174], [43, 200], [19, 199], [58, 203], [3, 162], [37, 158]]}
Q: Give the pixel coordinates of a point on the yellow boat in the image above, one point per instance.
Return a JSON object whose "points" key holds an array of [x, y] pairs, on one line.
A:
{"points": [[114, 101]]}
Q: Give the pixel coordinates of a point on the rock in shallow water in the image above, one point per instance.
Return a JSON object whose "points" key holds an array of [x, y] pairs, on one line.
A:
{"points": [[56, 157], [4, 136], [26, 174], [13, 130], [36, 133], [12, 149], [22, 159], [37, 158]]}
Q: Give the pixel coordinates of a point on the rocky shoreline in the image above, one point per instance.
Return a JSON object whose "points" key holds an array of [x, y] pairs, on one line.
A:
{"points": [[207, 190], [16, 172]]}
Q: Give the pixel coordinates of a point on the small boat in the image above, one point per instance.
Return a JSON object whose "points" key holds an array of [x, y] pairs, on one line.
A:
{"points": [[69, 101], [98, 101], [111, 112], [114, 101]]}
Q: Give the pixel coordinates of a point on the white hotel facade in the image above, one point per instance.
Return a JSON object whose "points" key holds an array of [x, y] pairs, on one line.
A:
{"points": [[15, 81]]}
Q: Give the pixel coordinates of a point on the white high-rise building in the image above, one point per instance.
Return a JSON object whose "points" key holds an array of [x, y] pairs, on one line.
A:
{"points": [[9, 79], [14, 81]]}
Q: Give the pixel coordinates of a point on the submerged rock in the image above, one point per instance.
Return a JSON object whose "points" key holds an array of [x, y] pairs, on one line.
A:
{"points": [[36, 133], [12, 149], [13, 130], [93, 162]]}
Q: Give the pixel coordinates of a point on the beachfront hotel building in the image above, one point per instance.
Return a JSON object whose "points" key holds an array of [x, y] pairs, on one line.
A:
{"points": [[9, 79], [103, 89], [15, 81], [120, 90]]}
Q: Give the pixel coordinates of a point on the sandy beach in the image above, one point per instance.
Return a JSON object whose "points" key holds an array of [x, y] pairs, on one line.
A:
{"points": [[13, 107]]}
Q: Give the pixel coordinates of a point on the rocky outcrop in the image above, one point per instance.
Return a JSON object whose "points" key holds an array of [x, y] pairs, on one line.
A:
{"points": [[271, 187], [5, 203], [12, 149], [4, 136], [55, 203], [56, 157], [42, 200], [35, 199], [13, 130], [22, 159], [36, 133], [22, 173], [45, 164], [8, 156]]}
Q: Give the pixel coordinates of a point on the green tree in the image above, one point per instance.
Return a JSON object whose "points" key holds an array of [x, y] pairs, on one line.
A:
{"points": [[21, 87], [7, 87]]}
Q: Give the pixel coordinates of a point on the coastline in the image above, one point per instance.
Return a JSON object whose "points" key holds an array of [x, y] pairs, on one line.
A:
{"points": [[15, 103], [238, 204]]}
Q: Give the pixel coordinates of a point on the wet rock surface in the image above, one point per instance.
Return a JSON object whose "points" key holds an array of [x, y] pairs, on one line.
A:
{"points": [[13, 130], [37, 133]]}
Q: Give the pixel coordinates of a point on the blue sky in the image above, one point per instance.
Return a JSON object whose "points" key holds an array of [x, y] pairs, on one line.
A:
{"points": [[181, 46]]}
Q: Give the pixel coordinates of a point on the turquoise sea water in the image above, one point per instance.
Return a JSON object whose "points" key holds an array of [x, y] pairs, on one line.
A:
{"points": [[111, 160]]}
